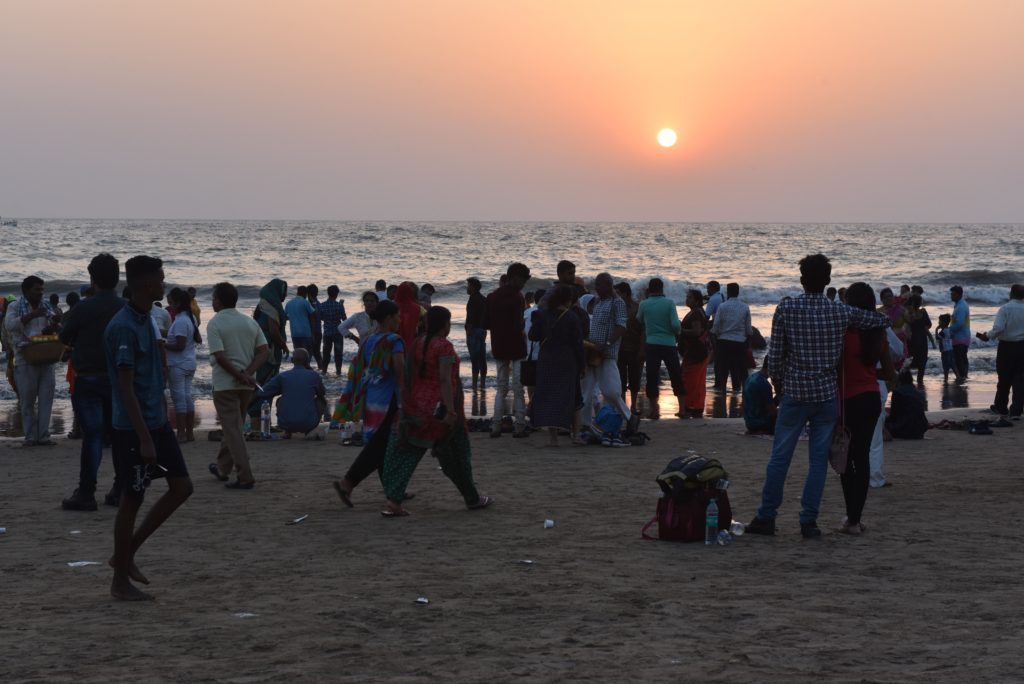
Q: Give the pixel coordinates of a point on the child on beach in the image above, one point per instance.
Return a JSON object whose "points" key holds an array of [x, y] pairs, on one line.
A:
{"points": [[945, 342]]}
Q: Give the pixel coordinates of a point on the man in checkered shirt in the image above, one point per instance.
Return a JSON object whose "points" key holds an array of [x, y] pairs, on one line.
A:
{"points": [[806, 343]]}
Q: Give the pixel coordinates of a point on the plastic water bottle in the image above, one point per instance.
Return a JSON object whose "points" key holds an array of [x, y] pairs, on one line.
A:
{"points": [[247, 427], [346, 430], [711, 524], [265, 422]]}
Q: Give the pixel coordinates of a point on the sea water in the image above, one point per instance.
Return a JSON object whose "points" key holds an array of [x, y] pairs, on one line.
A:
{"points": [[762, 258]]}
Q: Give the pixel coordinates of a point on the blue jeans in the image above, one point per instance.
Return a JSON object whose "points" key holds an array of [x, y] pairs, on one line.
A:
{"points": [[793, 416], [334, 344], [91, 402], [476, 341]]}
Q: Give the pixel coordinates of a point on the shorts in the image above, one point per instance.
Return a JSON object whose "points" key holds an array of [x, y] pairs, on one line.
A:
{"points": [[133, 474]]}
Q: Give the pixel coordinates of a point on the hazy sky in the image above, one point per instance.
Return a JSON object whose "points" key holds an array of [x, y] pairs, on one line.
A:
{"points": [[513, 110]]}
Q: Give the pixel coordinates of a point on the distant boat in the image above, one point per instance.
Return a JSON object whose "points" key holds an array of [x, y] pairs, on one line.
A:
{"points": [[8, 222]]}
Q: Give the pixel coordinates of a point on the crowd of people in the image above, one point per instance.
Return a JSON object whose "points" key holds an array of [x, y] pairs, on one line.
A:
{"points": [[565, 354]]}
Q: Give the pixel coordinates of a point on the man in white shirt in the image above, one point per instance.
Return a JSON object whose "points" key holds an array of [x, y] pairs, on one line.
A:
{"points": [[732, 330], [360, 321], [1009, 330], [162, 318]]}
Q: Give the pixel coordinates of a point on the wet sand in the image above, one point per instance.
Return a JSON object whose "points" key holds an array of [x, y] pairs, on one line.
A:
{"points": [[930, 593]]}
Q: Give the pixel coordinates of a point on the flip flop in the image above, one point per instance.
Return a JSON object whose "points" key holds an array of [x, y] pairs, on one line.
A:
{"points": [[346, 497], [484, 502], [215, 471], [388, 513]]}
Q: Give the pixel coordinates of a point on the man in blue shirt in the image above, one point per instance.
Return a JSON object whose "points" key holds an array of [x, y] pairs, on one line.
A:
{"points": [[758, 408], [302, 402], [144, 446], [806, 343], [300, 319]]}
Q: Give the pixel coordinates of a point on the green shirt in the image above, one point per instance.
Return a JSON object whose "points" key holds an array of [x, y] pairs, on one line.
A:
{"points": [[660, 319], [237, 335]]}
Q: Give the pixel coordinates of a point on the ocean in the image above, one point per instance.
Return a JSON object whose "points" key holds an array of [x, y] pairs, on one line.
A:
{"points": [[762, 258]]}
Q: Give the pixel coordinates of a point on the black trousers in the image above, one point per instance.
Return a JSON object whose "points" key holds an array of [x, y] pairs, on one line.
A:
{"points": [[371, 458], [1010, 375], [960, 359], [656, 354], [730, 362], [862, 413]]}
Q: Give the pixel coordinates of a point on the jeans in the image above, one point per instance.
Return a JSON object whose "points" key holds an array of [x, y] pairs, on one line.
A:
{"points": [[333, 345], [793, 416], [180, 382], [877, 457], [655, 354], [91, 402], [476, 341], [1010, 374], [606, 378], [508, 372], [36, 385]]}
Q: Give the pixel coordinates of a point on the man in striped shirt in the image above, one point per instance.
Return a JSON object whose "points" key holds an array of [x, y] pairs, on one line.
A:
{"points": [[806, 343]]}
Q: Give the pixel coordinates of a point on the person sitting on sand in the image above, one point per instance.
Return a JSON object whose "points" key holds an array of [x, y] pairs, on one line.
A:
{"points": [[301, 406], [144, 446], [759, 410], [432, 418]]}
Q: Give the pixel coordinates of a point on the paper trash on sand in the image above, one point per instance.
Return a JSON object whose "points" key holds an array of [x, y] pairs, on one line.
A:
{"points": [[423, 600], [244, 615], [298, 520], [81, 564]]}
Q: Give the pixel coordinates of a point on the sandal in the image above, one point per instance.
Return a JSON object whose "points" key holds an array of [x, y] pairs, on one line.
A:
{"points": [[482, 502], [400, 513], [343, 494]]}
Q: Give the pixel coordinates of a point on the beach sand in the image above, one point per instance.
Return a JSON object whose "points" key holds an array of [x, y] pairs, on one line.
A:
{"points": [[931, 592]]}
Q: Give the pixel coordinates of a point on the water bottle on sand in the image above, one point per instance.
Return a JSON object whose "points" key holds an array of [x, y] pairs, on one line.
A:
{"points": [[711, 524]]}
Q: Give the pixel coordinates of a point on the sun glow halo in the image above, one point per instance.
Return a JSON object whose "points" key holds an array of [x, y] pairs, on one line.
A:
{"points": [[667, 137]]}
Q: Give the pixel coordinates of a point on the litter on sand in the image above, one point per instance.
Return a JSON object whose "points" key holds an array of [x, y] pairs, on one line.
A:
{"points": [[244, 615], [525, 562], [81, 564], [423, 600], [298, 520], [76, 532], [3, 530], [548, 524]]}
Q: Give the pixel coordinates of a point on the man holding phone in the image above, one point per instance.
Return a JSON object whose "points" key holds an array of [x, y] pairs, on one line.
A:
{"points": [[144, 446]]}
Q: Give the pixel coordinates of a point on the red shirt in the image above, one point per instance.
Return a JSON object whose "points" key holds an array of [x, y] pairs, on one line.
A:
{"points": [[858, 378]]}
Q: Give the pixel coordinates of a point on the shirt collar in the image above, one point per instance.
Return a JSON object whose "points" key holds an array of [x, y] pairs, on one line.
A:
{"points": [[139, 316]]}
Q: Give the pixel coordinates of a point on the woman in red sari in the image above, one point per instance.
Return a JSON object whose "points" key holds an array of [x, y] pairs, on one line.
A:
{"points": [[693, 336], [432, 418], [411, 312]]}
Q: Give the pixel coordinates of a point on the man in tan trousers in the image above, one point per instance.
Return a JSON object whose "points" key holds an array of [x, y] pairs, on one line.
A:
{"points": [[237, 348]]}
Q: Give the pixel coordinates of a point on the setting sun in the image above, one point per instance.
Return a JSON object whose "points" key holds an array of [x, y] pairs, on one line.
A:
{"points": [[667, 137]]}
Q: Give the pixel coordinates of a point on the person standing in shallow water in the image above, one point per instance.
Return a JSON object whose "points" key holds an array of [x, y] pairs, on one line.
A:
{"points": [[960, 331], [144, 445], [476, 332]]}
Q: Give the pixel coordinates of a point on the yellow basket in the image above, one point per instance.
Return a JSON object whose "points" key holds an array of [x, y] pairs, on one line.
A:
{"points": [[41, 353]]}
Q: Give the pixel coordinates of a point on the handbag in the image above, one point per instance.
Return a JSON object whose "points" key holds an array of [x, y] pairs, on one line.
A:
{"points": [[839, 450], [528, 373]]}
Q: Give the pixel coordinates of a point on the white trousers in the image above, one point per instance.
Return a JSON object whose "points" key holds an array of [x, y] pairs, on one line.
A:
{"points": [[606, 378], [36, 385], [508, 373], [876, 457]]}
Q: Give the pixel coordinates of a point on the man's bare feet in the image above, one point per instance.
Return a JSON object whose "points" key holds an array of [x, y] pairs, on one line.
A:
{"points": [[133, 572], [123, 590]]}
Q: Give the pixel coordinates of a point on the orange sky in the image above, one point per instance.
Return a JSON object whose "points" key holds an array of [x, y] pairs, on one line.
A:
{"points": [[787, 111]]}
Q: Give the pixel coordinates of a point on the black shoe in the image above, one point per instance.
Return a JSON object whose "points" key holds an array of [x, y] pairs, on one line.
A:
{"points": [[239, 485], [113, 498], [809, 530], [761, 526], [998, 411], [79, 502], [215, 471]]}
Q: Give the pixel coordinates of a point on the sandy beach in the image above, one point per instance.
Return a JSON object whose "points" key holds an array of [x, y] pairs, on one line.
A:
{"points": [[930, 593]]}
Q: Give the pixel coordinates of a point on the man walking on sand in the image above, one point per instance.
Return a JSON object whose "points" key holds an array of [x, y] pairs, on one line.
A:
{"points": [[144, 445], [237, 348], [807, 339]]}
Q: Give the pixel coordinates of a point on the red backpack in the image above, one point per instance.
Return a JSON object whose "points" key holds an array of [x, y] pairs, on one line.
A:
{"points": [[688, 485]]}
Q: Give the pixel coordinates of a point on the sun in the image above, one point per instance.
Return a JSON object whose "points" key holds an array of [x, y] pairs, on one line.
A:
{"points": [[667, 137]]}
